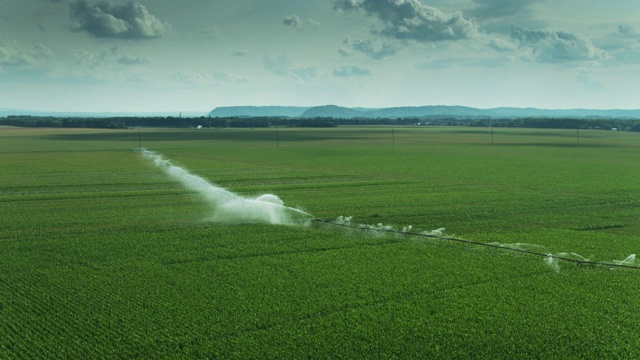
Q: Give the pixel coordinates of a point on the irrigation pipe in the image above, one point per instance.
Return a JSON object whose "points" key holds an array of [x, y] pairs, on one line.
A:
{"points": [[476, 243]]}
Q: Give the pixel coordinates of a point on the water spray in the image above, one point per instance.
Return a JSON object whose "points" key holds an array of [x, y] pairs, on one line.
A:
{"points": [[551, 260], [229, 207]]}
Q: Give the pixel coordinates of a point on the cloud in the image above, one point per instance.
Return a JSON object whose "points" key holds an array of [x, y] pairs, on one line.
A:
{"points": [[89, 68], [41, 51], [281, 65], [204, 78], [349, 71], [227, 77], [501, 8], [628, 30], [498, 16], [630, 54], [298, 23], [557, 46], [293, 20], [107, 57], [344, 51], [375, 48], [412, 20], [499, 44], [12, 54], [129, 21], [241, 53], [623, 44], [191, 77], [584, 76], [131, 60]]}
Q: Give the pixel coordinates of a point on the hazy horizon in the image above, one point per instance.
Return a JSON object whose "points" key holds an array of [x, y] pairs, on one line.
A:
{"points": [[195, 55], [188, 113]]}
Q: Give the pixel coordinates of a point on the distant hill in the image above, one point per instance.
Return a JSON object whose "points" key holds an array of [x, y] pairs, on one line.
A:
{"points": [[426, 111], [339, 112], [255, 111], [564, 113], [331, 111], [432, 111]]}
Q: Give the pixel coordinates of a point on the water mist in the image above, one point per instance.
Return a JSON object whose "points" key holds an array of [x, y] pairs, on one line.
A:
{"points": [[229, 207]]}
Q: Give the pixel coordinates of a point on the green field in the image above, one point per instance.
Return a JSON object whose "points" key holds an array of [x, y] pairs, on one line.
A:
{"points": [[104, 256]]}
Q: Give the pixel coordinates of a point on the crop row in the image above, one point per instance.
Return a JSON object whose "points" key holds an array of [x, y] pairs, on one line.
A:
{"points": [[121, 262]]}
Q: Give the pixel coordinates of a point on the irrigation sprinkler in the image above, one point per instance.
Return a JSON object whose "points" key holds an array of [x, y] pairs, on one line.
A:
{"points": [[268, 208], [448, 239]]}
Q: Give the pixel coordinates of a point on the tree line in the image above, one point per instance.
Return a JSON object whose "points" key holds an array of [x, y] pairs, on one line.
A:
{"points": [[170, 122], [265, 122]]}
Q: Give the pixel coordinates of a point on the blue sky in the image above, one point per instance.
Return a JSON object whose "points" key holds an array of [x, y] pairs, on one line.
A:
{"points": [[194, 55]]}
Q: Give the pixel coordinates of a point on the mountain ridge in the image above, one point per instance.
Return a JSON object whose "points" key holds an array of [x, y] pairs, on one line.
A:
{"points": [[340, 112], [427, 111]]}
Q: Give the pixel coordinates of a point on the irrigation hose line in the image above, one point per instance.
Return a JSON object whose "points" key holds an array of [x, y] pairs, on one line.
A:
{"points": [[471, 242]]}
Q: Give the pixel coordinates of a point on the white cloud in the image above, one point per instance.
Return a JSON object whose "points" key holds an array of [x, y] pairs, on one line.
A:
{"points": [[107, 58], [228, 77], [501, 8], [557, 46], [204, 78], [373, 47], [192, 76], [629, 54], [500, 44], [129, 21], [283, 66], [296, 22], [412, 20], [12, 54], [131, 60], [105, 66], [404, 23], [349, 71]]}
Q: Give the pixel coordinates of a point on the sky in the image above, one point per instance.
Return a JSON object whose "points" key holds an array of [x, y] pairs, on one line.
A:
{"points": [[195, 55]]}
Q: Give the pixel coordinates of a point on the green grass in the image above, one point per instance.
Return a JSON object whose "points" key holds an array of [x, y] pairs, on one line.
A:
{"points": [[103, 256]]}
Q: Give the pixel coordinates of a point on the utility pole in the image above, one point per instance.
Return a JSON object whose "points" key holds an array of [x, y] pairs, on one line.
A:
{"points": [[491, 126]]}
